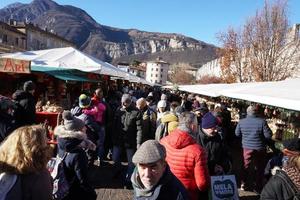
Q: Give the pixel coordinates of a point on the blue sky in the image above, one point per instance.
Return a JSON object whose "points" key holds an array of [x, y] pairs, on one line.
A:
{"points": [[200, 19]]}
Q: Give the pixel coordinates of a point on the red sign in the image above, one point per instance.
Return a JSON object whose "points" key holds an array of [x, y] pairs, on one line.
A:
{"points": [[14, 65]]}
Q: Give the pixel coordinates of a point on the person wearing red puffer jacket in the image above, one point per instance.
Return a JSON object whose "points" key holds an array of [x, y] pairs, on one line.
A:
{"points": [[186, 158]]}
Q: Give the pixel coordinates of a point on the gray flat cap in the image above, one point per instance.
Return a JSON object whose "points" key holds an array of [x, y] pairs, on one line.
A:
{"points": [[150, 151]]}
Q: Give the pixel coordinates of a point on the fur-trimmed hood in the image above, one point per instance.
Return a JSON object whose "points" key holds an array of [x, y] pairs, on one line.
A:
{"points": [[62, 132]]}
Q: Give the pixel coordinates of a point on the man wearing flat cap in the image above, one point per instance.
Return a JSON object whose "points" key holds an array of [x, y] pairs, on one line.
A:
{"points": [[127, 135], [152, 178]]}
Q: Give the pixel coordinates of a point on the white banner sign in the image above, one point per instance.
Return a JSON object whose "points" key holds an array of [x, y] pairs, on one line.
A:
{"points": [[224, 188]]}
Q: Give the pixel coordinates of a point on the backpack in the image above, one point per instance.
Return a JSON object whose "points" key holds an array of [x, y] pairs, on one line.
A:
{"points": [[61, 186]]}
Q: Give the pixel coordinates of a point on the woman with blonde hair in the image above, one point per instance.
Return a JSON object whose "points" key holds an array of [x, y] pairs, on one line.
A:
{"points": [[23, 159]]}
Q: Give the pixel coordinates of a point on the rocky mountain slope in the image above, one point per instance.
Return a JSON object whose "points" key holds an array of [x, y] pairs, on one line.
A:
{"points": [[109, 43]]}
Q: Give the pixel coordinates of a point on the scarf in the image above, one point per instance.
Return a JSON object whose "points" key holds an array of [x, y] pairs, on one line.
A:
{"points": [[141, 191], [294, 175]]}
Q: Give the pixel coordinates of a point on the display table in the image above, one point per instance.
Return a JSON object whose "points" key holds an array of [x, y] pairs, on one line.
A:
{"points": [[49, 117], [51, 120]]}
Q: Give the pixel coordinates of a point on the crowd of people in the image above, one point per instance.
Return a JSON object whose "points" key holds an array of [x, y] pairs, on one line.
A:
{"points": [[173, 144]]}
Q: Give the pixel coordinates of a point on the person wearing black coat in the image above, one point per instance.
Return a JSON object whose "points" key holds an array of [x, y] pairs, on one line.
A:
{"points": [[218, 157], [71, 141], [127, 134], [7, 121], [279, 187], [25, 113]]}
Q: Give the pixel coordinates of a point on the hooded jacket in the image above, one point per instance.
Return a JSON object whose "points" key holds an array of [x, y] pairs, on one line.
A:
{"points": [[76, 162], [168, 187], [187, 161], [163, 128]]}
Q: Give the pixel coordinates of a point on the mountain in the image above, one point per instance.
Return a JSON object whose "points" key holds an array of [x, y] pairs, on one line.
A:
{"points": [[109, 43]]}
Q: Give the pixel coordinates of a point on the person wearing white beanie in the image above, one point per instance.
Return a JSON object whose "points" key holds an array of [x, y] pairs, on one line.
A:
{"points": [[161, 109]]}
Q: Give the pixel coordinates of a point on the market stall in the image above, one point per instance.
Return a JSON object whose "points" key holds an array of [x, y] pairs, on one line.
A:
{"points": [[279, 102]]}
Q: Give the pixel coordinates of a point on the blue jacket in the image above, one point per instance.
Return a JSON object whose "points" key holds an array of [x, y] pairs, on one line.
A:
{"points": [[255, 132]]}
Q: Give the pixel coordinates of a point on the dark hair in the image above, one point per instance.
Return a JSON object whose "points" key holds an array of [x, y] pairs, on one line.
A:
{"points": [[149, 98], [174, 104]]}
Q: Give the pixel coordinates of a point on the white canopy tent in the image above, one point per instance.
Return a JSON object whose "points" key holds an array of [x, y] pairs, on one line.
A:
{"points": [[211, 90], [284, 94], [64, 58], [131, 77]]}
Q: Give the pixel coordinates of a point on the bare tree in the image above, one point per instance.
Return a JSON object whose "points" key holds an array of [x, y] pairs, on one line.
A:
{"points": [[266, 49], [232, 68], [179, 74], [210, 79]]}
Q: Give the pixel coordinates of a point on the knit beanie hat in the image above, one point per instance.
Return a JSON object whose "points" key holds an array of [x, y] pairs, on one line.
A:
{"points": [[28, 86], [162, 104], [84, 101], [71, 122], [208, 121]]}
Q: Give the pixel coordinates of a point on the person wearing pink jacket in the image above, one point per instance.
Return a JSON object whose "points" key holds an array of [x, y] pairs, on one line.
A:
{"points": [[97, 110]]}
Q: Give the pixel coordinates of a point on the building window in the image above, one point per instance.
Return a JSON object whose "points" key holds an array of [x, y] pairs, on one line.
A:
{"points": [[151, 69], [4, 38], [151, 75], [160, 75], [155, 75], [17, 41], [161, 70], [157, 69]]}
